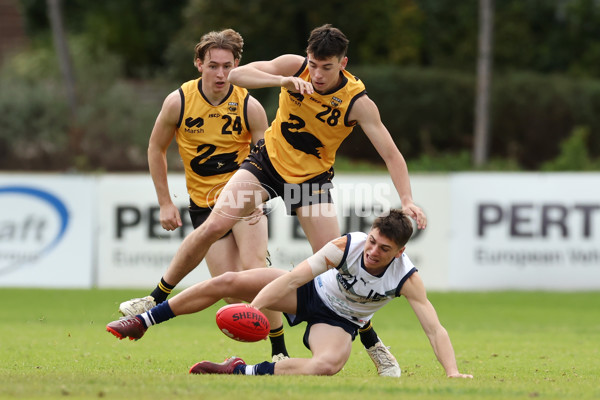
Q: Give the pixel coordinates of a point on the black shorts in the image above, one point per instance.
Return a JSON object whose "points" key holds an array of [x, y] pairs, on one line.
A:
{"points": [[294, 195], [312, 310], [199, 214]]}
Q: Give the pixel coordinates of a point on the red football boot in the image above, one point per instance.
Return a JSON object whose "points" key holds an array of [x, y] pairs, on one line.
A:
{"points": [[226, 367], [130, 327]]}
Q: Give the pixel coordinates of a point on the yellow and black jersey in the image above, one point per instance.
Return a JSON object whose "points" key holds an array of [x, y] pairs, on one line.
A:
{"points": [[213, 140], [308, 129]]}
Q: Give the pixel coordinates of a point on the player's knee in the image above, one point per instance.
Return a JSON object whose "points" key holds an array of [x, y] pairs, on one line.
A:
{"points": [[232, 283], [224, 286], [226, 279], [329, 370], [216, 227], [325, 367], [229, 288]]}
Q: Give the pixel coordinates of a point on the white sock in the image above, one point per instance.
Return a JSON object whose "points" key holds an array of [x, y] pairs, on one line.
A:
{"points": [[147, 318]]}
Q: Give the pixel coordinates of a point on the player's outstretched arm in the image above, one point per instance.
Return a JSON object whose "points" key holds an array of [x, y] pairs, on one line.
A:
{"points": [[273, 73], [366, 113], [414, 291], [283, 289]]}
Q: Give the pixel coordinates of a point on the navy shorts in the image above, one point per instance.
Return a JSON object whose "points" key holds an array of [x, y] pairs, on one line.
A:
{"points": [[294, 195], [312, 310]]}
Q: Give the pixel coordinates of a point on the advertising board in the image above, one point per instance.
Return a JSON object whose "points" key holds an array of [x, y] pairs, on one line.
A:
{"points": [[525, 231], [46, 229]]}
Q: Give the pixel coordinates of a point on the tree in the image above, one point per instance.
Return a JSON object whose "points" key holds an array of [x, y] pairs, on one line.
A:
{"points": [[66, 67], [484, 79]]}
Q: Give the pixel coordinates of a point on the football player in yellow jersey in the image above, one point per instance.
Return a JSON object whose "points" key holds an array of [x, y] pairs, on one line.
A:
{"points": [[213, 123]]}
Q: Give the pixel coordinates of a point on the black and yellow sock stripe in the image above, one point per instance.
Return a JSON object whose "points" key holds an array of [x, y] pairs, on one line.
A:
{"points": [[277, 341], [366, 327], [162, 291], [165, 287], [368, 336], [273, 333]]}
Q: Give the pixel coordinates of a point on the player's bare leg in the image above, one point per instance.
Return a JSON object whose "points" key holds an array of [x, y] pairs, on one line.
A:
{"points": [[331, 347], [242, 194], [245, 285], [319, 223]]}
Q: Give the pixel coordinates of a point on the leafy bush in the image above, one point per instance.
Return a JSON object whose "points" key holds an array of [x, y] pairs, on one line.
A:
{"points": [[429, 113], [533, 113], [426, 111], [113, 119], [33, 115], [574, 155]]}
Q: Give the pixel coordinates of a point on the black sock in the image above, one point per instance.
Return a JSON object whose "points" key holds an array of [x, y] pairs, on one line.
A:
{"points": [[162, 291], [277, 342], [368, 336]]}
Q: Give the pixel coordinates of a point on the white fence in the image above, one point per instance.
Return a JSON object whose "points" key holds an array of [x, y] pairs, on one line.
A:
{"points": [[486, 231]]}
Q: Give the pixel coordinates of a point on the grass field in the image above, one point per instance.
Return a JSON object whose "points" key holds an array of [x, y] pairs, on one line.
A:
{"points": [[518, 345]]}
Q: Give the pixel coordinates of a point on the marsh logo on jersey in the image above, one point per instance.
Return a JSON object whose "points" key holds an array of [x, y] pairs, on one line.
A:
{"points": [[335, 102], [297, 98], [233, 106], [194, 125]]}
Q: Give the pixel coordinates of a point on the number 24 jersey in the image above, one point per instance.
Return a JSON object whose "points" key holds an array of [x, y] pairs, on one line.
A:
{"points": [[213, 140]]}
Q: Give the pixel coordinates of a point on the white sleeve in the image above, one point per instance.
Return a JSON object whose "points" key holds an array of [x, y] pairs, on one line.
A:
{"points": [[330, 256]]}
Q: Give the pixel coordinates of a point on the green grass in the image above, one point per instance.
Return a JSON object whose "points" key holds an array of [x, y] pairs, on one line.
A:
{"points": [[518, 345]]}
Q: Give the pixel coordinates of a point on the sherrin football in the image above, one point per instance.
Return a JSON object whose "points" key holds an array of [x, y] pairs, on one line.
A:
{"points": [[243, 323]]}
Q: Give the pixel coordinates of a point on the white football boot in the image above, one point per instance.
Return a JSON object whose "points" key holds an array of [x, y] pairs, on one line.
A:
{"points": [[137, 306], [386, 363], [279, 357]]}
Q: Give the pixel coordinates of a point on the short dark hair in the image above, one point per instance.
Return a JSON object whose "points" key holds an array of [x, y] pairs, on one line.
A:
{"points": [[394, 225], [227, 39], [326, 41]]}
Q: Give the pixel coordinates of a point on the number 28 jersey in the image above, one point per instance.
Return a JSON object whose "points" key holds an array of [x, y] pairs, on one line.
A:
{"points": [[213, 140], [308, 129]]}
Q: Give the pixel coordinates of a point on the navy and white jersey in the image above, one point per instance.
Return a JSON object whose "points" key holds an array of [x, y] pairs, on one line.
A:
{"points": [[353, 293]]}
